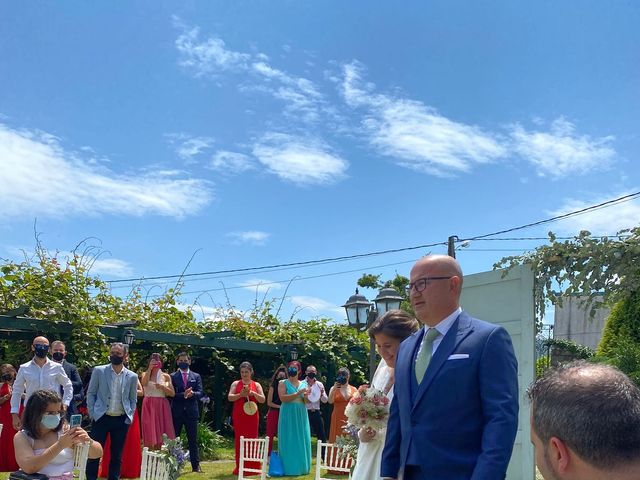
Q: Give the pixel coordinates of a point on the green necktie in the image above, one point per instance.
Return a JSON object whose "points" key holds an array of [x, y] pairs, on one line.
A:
{"points": [[424, 354]]}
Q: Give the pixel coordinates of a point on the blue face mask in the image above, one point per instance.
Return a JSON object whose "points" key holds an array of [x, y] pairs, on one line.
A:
{"points": [[50, 421], [292, 371]]}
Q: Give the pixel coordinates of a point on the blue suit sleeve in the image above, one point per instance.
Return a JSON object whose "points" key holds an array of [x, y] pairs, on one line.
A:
{"points": [[498, 376], [391, 453], [198, 392]]}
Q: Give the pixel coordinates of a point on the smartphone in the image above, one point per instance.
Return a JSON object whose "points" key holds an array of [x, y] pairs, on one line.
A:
{"points": [[75, 420]]}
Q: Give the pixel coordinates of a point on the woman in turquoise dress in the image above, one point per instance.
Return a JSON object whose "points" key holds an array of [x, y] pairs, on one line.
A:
{"points": [[294, 434]]}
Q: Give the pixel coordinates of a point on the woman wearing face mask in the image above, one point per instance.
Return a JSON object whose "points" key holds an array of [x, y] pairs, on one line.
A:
{"points": [[41, 446], [156, 411], [339, 396], [274, 402], [294, 434], [244, 394], [388, 332], [7, 458]]}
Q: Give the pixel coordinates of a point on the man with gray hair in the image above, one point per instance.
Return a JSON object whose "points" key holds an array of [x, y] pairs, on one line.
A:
{"points": [[585, 423]]}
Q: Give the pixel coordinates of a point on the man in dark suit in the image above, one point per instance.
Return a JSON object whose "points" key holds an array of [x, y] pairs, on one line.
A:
{"points": [[59, 354], [184, 406], [454, 415]]}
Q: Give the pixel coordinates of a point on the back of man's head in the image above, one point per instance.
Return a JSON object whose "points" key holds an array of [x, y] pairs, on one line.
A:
{"points": [[593, 409]]}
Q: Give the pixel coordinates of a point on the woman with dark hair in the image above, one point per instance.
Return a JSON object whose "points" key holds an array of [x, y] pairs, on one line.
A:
{"points": [[294, 433], [8, 458], [42, 446], [388, 332], [156, 411], [339, 395], [274, 402], [244, 394]]}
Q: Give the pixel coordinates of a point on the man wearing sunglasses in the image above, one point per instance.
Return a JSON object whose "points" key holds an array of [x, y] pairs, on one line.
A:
{"points": [[454, 413]]}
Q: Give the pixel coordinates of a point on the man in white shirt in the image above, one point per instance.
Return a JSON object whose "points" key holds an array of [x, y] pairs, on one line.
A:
{"points": [[316, 395], [39, 374]]}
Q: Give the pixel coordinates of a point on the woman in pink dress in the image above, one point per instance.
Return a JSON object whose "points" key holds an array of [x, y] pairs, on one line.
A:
{"points": [[156, 411]]}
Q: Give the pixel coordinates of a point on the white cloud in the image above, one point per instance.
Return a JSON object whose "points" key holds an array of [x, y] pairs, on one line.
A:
{"points": [[41, 178], [561, 152], [211, 57], [316, 304], [187, 147], [305, 161], [253, 237], [112, 267], [208, 57], [260, 285], [416, 135], [230, 162], [605, 221]]}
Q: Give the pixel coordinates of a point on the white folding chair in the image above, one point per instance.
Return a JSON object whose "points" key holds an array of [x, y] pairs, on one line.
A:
{"points": [[0, 429], [153, 466], [333, 459], [253, 450], [80, 455]]}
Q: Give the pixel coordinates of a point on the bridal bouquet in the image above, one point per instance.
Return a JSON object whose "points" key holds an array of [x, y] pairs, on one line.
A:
{"points": [[368, 408]]}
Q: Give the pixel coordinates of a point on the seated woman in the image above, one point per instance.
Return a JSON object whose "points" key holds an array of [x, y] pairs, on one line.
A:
{"points": [[42, 446]]}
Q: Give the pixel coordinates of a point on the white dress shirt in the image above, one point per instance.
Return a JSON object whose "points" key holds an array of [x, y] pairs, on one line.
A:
{"points": [[316, 394], [116, 406], [32, 377], [443, 327]]}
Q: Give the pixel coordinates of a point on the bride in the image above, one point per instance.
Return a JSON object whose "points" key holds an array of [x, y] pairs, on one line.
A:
{"points": [[388, 332]]}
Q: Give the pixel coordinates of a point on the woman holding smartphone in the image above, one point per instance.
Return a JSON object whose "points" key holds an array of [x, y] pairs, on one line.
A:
{"points": [[156, 411]]}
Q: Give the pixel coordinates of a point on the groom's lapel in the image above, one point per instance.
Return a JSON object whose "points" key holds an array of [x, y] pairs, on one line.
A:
{"points": [[458, 331]]}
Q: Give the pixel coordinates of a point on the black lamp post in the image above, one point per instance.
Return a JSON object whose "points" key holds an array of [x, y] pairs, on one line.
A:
{"points": [[128, 337], [361, 314]]}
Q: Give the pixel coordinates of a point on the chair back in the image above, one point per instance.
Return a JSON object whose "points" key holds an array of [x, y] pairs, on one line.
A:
{"points": [[253, 450], [153, 466], [80, 456], [333, 458]]}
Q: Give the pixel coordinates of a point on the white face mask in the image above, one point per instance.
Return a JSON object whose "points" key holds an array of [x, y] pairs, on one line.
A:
{"points": [[50, 421]]}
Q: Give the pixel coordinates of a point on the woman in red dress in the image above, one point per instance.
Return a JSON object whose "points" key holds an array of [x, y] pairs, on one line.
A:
{"points": [[132, 452], [244, 393], [8, 457]]}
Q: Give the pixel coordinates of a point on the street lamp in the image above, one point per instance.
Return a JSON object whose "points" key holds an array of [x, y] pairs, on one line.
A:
{"points": [[293, 353], [361, 314], [129, 337]]}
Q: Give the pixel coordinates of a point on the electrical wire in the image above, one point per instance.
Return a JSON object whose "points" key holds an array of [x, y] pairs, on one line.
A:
{"points": [[486, 236]]}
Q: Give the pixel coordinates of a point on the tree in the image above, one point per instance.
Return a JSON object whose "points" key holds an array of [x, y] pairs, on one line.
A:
{"points": [[585, 265]]}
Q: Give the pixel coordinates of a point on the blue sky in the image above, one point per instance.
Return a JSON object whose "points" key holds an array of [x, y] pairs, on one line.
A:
{"points": [[262, 133]]}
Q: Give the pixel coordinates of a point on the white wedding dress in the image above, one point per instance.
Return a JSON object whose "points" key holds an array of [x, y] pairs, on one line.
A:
{"points": [[370, 453]]}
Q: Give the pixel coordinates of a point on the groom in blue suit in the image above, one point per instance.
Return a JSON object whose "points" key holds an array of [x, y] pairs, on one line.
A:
{"points": [[454, 414]]}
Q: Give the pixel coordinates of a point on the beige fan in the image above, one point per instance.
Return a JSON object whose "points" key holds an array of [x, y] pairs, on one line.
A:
{"points": [[250, 407]]}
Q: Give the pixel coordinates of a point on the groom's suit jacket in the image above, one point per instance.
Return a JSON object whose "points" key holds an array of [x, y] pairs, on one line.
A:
{"points": [[460, 422]]}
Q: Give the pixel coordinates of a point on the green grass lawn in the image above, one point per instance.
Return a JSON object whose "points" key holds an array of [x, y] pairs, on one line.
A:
{"points": [[223, 469]]}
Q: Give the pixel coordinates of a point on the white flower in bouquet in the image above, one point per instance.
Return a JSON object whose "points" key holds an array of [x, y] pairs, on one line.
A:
{"points": [[368, 408]]}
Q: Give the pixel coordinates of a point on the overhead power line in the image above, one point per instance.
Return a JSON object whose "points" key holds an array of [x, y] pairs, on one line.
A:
{"points": [[581, 211]]}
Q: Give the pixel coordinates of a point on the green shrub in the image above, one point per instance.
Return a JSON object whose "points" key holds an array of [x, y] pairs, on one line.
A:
{"points": [[211, 445], [542, 365]]}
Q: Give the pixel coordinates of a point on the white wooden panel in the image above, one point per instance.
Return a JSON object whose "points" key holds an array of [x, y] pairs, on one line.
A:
{"points": [[508, 301]]}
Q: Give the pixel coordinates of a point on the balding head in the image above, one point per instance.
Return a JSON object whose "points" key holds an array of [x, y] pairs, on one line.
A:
{"points": [[436, 284], [40, 341], [593, 410]]}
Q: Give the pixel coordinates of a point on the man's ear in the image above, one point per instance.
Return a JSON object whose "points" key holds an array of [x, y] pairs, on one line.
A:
{"points": [[559, 455]]}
